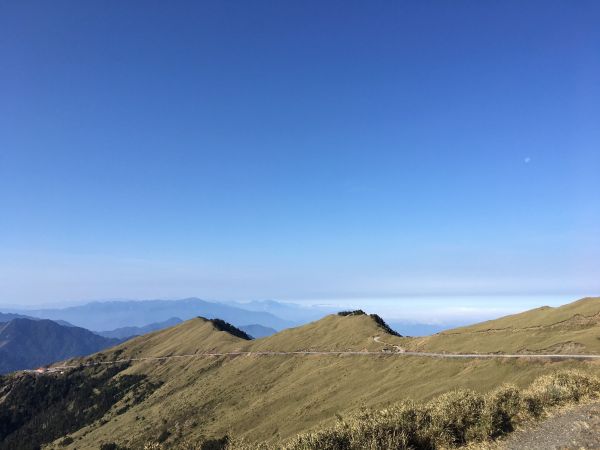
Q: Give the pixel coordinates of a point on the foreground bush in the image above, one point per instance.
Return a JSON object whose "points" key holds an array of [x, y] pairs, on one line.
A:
{"points": [[559, 389], [450, 420]]}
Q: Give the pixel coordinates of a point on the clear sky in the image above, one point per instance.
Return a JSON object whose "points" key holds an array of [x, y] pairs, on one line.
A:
{"points": [[299, 150]]}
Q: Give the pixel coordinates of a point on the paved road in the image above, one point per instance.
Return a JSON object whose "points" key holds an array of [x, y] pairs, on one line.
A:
{"points": [[576, 427], [397, 351], [400, 351]]}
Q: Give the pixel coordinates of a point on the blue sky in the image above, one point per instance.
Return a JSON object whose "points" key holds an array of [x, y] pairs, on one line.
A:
{"points": [[315, 151]]}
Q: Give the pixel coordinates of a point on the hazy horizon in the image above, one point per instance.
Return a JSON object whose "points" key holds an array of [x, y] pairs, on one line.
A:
{"points": [[416, 309]]}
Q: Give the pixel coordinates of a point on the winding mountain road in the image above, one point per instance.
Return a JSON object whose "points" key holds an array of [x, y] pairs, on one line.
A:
{"points": [[397, 351], [400, 351]]}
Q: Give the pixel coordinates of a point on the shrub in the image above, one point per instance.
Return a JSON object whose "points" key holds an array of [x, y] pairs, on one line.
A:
{"points": [[215, 444], [501, 410], [163, 436], [109, 446], [356, 312], [221, 325], [384, 325], [556, 389], [333, 439], [66, 441], [394, 427], [451, 419]]}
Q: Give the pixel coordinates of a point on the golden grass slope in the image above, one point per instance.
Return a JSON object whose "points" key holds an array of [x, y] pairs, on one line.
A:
{"points": [[453, 419], [332, 333], [186, 338], [570, 329]]}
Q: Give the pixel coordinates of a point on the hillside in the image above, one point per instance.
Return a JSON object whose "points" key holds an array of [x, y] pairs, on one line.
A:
{"points": [[331, 333], [27, 344], [571, 329], [189, 337], [273, 396]]}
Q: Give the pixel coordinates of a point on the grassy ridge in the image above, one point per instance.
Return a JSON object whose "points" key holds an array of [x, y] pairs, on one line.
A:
{"points": [[377, 319], [571, 329]]}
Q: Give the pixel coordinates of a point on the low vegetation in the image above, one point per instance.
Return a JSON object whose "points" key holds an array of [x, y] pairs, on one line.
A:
{"points": [[38, 409], [379, 321], [450, 420], [356, 312], [221, 325]]}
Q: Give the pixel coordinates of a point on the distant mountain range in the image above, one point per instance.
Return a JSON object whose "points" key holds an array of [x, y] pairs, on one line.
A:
{"points": [[292, 312], [409, 328], [101, 316], [27, 344], [123, 319], [258, 331], [7, 317], [127, 332]]}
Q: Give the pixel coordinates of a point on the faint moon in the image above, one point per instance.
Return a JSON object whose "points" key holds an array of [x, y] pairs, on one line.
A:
{"points": [[527, 160]]}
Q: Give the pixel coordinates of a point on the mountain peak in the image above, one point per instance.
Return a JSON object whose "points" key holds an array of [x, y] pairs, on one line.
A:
{"points": [[189, 337], [221, 325], [376, 318]]}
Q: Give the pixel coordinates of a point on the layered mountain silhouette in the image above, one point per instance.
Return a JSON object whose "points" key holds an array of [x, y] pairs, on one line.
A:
{"points": [[258, 331], [128, 332], [7, 317], [101, 316], [27, 344], [133, 318], [291, 312]]}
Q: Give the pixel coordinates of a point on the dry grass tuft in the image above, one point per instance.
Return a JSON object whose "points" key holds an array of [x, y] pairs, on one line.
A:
{"points": [[453, 419]]}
